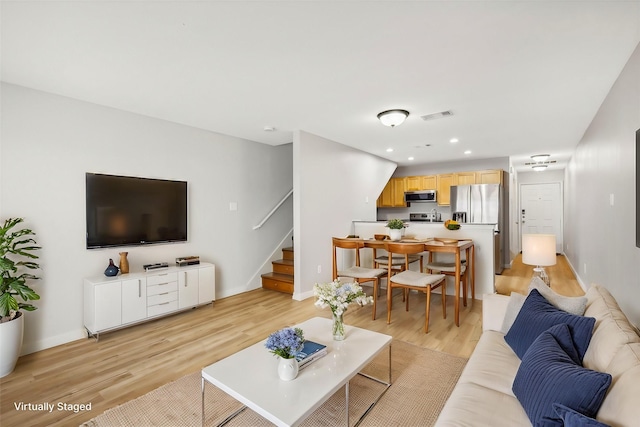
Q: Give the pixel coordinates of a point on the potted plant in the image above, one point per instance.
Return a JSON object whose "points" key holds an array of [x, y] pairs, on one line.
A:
{"points": [[396, 228], [16, 255]]}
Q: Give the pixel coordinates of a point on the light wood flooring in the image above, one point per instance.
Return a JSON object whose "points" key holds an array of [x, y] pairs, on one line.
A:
{"points": [[128, 363]]}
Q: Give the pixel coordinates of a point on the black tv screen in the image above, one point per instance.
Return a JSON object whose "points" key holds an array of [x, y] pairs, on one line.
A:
{"points": [[126, 211]]}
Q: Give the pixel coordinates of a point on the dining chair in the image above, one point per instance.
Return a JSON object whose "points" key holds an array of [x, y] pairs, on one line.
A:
{"points": [[356, 271], [449, 269], [413, 280]]}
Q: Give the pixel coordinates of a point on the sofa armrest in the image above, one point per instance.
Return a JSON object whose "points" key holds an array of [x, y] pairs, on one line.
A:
{"points": [[494, 307]]}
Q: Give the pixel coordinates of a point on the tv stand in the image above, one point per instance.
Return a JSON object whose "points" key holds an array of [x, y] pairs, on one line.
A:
{"points": [[125, 300]]}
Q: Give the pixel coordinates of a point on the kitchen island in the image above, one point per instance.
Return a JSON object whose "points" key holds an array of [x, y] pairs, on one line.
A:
{"points": [[482, 236]]}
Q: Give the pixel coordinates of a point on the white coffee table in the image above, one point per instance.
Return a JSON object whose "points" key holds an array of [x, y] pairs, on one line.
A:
{"points": [[250, 376]]}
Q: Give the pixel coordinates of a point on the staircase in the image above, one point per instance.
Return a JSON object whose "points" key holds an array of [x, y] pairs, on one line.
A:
{"points": [[281, 279]]}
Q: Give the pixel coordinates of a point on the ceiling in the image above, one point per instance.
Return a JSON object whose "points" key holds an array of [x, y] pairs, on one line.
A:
{"points": [[519, 77]]}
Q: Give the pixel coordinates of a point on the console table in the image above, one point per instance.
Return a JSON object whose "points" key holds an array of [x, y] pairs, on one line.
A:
{"points": [[127, 299]]}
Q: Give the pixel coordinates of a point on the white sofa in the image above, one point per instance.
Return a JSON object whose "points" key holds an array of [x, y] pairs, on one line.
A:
{"points": [[483, 395]]}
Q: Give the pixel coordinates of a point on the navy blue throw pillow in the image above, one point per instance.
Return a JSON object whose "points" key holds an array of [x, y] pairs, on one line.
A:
{"points": [[572, 418], [537, 315], [548, 376]]}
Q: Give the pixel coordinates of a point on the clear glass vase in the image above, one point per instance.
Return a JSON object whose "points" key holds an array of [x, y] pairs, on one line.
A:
{"points": [[338, 327]]}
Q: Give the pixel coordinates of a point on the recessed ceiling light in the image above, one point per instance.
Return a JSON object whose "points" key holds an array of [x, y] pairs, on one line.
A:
{"points": [[540, 157], [389, 150], [410, 158], [467, 152], [453, 140], [269, 129]]}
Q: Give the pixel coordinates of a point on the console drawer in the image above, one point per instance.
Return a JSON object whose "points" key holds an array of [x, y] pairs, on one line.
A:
{"points": [[163, 308], [162, 298], [162, 288], [162, 278]]}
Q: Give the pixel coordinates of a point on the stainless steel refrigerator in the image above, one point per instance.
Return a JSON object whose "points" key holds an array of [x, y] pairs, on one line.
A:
{"points": [[481, 204]]}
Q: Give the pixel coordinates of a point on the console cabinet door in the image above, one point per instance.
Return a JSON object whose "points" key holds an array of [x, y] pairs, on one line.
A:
{"points": [[188, 288], [207, 284], [134, 300], [108, 305]]}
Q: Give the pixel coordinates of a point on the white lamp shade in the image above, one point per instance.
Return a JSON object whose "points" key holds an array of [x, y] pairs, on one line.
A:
{"points": [[539, 249], [393, 117]]}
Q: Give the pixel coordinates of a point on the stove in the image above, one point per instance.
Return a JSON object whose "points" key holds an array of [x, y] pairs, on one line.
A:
{"points": [[428, 217]]}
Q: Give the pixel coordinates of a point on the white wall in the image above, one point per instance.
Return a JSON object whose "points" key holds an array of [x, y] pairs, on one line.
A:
{"points": [[599, 238], [333, 186], [49, 142]]}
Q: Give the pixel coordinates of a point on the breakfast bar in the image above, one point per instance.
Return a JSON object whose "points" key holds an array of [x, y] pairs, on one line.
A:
{"points": [[482, 236]]}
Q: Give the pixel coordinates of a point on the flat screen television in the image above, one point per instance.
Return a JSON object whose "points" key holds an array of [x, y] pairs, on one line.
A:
{"points": [[130, 211]]}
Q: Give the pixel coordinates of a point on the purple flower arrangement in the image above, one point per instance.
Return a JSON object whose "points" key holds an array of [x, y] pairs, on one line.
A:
{"points": [[285, 343]]}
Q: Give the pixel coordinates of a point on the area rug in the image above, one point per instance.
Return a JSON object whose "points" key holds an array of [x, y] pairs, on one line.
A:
{"points": [[422, 381]]}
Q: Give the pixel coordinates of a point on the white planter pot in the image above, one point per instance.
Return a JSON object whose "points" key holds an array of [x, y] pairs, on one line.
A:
{"points": [[10, 344], [395, 234], [287, 369]]}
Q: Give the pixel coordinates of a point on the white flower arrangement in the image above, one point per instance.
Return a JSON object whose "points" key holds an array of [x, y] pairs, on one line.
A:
{"points": [[338, 296]]}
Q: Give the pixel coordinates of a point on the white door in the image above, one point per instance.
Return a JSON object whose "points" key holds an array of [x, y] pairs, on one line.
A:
{"points": [[541, 211]]}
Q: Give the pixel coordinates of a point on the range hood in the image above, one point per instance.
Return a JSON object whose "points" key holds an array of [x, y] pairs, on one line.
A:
{"points": [[422, 196]]}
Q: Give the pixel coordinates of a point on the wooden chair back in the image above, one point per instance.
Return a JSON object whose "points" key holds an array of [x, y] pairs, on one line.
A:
{"points": [[342, 243]]}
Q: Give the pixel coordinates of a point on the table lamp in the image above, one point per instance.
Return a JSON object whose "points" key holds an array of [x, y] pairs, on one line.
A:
{"points": [[539, 250]]}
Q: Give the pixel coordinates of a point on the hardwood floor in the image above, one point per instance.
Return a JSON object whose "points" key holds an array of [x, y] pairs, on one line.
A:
{"points": [[128, 363]]}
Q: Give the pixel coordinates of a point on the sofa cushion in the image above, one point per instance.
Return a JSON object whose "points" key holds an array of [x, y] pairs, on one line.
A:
{"points": [[573, 305], [612, 329], [516, 301], [492, 365], [620, 406], [537, 315], [571, 418], [549, 373]]}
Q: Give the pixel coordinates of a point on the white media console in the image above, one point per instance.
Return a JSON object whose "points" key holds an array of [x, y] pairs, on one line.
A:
{"points": [[127, 299]]}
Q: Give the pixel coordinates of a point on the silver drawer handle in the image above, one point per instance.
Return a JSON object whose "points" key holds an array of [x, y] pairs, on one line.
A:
{"points": [[166, 293], [164, 303]]}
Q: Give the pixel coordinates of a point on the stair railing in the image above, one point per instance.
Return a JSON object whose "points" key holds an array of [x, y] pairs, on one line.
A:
{"points": [[266, 218]]}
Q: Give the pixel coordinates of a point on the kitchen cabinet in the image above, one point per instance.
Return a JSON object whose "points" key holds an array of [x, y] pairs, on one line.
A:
{"points": [[393, 194], [465, 178], [489, 177], [398, 192], [444, 182], [413, 183], [418, 183]]}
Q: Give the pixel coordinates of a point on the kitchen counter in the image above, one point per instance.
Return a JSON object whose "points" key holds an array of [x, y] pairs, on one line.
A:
{"points": [[481, 234]]}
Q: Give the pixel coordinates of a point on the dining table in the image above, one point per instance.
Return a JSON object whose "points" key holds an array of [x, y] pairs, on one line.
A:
{"points": [[441, 245]]}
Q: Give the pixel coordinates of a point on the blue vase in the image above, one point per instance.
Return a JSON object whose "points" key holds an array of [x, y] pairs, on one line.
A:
{"points": [[111, 270]]}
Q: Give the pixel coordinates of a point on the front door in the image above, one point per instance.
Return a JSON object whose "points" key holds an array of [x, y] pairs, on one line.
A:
{"points": [[541, 211]]}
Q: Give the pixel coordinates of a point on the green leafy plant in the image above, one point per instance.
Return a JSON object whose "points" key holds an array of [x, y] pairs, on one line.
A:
{"points": [[396, 224], [16, 255]]}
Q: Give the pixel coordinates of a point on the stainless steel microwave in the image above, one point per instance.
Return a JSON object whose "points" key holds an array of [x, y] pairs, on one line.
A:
{"points": [[420, 196]]}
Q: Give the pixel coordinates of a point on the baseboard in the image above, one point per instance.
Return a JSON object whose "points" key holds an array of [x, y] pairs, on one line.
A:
{"points": [[575, 273], [32, 347]]}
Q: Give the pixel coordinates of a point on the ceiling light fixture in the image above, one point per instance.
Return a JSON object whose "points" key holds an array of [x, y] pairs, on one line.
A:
{"points": [[540, 157], [539, 168], [389, 150], [269, 129], [467, 152], [453, 140], [410, 158], [393, 117]]}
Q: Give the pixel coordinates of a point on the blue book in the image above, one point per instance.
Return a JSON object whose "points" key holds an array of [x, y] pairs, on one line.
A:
{"points": [[311, 351]]}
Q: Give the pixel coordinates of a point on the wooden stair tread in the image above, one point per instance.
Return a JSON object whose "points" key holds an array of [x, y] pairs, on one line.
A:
{"points": [[278, 276], [284, 261]]}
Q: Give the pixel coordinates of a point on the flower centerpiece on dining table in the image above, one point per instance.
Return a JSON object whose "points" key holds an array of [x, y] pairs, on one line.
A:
{"points": [[337, 296], [396, 228], [286, 343]]}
